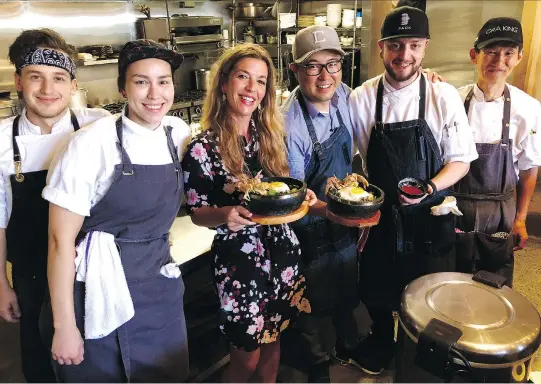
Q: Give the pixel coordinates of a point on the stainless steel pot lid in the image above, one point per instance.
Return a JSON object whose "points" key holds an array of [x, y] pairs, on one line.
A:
{"points": [[500, 326]]}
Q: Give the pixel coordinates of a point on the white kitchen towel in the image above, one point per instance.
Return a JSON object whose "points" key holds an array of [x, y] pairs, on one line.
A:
{"points": [[108, 303], [447, 206]]}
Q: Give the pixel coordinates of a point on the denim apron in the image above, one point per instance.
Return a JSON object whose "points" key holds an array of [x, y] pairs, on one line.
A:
{"points": [[408, 242], [138, 209], [27, 242], [329, 250], [486, 198]]}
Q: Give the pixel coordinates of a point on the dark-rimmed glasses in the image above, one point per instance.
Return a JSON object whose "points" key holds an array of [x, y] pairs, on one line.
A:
{"points": [[334, 66]]}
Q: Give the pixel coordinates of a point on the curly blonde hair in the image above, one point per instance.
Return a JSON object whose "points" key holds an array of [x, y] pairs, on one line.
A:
{"points": [[268, 119]]}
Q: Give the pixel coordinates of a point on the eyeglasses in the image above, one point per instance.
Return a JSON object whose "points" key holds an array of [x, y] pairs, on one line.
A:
{"points": [[316, 69]]}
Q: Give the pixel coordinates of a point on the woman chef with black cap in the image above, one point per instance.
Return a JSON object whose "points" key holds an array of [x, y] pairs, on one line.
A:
{"points": [[114, 192]]}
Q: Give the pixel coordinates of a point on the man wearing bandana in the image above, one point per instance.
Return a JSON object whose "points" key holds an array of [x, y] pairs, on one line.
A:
{"points": [[45, 80]]}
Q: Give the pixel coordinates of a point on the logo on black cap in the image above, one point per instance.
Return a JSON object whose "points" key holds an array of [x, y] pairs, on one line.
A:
{"points": [[405, 19]]}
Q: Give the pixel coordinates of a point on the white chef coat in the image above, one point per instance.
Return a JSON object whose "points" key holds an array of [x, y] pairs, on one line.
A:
{"points": [[81, 174], [444, 109], [486, 122], [37, 150]]}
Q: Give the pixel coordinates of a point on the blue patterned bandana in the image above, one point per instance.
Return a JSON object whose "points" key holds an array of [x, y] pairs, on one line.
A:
{"points": [[51, 58]]}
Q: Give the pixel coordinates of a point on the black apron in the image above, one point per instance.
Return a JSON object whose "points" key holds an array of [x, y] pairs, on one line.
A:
{"points": [[28, 227], [27, 241], [486, 198], [138, 209], [408, 242], [329, 250]]}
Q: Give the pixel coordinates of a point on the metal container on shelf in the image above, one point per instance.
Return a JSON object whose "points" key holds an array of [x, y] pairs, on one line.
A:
{"points": [[249, 10], [455, 329], [202, 78]]}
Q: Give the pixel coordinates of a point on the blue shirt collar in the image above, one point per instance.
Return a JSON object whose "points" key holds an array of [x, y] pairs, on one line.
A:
{"points": [[312, 111]]}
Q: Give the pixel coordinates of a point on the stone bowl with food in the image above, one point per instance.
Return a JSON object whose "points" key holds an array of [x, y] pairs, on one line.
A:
{"points": [[272, 196], [353, 197]]}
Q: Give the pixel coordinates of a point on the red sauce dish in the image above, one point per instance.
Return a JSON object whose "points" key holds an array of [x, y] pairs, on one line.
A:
{"points": [[412, 188]]}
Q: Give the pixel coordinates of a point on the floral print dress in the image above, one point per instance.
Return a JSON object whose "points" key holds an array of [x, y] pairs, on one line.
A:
{"points": [[256, 270]]}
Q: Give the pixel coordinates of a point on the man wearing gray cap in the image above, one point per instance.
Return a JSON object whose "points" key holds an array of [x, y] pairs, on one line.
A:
{"points": [[406, 127], [320, 144]]}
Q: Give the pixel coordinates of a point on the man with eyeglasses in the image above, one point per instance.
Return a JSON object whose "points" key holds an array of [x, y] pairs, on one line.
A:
{"points": [[406, 126], [320, 144]]}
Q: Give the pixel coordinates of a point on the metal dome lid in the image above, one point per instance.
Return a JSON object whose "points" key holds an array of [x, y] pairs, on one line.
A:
{"points": [[500, 327]]}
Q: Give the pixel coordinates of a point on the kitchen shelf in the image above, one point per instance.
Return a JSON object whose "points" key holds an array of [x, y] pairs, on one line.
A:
{"points": [[96, 62], [296, 29]]}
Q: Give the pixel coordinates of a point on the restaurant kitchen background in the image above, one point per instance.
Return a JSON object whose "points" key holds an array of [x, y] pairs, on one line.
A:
{"points": [[202, 30]]}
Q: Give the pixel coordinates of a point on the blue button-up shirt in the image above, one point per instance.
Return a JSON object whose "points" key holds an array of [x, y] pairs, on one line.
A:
{"points": [[298, 139]]}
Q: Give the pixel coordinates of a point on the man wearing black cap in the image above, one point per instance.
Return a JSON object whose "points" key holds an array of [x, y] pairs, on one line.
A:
{"points": [[405, 126], [45, 80], [504, 121]]}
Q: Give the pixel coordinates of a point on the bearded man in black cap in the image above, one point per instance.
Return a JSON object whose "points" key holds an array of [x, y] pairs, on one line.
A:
{"points": [[406, 126], [504, 121]]}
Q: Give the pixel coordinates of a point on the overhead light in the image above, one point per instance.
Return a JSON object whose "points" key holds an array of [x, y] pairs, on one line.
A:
{"points": [[30, 20]]}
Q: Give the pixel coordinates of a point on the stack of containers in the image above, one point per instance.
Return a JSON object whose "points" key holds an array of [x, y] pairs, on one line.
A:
{"points": [[334, 15], [348, 18]]}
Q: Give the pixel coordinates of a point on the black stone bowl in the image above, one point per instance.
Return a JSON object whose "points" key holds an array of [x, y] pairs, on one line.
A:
{"points": [[413, 182], [278, 205], [356, 210]]}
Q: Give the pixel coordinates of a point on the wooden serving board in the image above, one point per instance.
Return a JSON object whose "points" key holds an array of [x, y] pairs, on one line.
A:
{"points": [[352, 222], [282, 219]]}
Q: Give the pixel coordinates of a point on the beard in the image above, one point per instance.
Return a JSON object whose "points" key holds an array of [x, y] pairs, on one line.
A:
{"points": [[404, 76]]}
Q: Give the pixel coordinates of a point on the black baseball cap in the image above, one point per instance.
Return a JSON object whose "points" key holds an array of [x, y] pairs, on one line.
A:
{"points": [[405, 22], [499, 29], [147, 49]]}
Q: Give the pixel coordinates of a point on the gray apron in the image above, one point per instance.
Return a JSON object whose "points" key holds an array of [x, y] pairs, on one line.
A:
{"points": [[408, 242], [486, 198], [329, 250], [138, 209]]}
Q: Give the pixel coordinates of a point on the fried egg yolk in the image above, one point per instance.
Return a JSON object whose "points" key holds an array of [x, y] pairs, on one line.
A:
{"points": [[353, 193], [278, 187]]}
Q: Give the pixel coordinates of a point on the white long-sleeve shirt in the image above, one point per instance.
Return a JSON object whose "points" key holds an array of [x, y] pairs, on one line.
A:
{"points": [[37, 150], [444, 109], [485, 119], [83, 172]]}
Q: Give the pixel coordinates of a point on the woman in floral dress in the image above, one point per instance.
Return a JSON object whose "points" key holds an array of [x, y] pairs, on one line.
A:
{"points": [[256, 268]]}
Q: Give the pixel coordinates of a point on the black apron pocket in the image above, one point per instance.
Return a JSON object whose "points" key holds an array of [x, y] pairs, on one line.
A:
{"points": [[494, 252], [466, 252]]}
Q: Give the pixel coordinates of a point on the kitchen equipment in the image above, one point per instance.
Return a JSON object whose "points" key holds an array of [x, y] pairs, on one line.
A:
{"points": [[348, 18], [290, 38], [7, 109], [183, 29], [272, 39], [202, 79], [260, 39], [353, 209], [305, 20], [359, 19], [453, 327], [278, 204], [320, 20], [334, 15], [249, 10], [249, 38], [78, 99]]}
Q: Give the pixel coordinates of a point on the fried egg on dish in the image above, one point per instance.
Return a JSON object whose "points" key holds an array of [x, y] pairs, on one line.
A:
{"points": [[278, 187], [353, 193]]}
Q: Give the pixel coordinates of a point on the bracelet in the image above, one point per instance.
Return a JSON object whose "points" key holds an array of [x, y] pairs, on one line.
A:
{"points": [[434, 188]]}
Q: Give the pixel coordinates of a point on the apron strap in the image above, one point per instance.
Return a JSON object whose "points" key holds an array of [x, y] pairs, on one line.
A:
{"points": [[127, 166], [311, 130], [422, 95], [506, 120], [174, 153], [17, 152]]}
